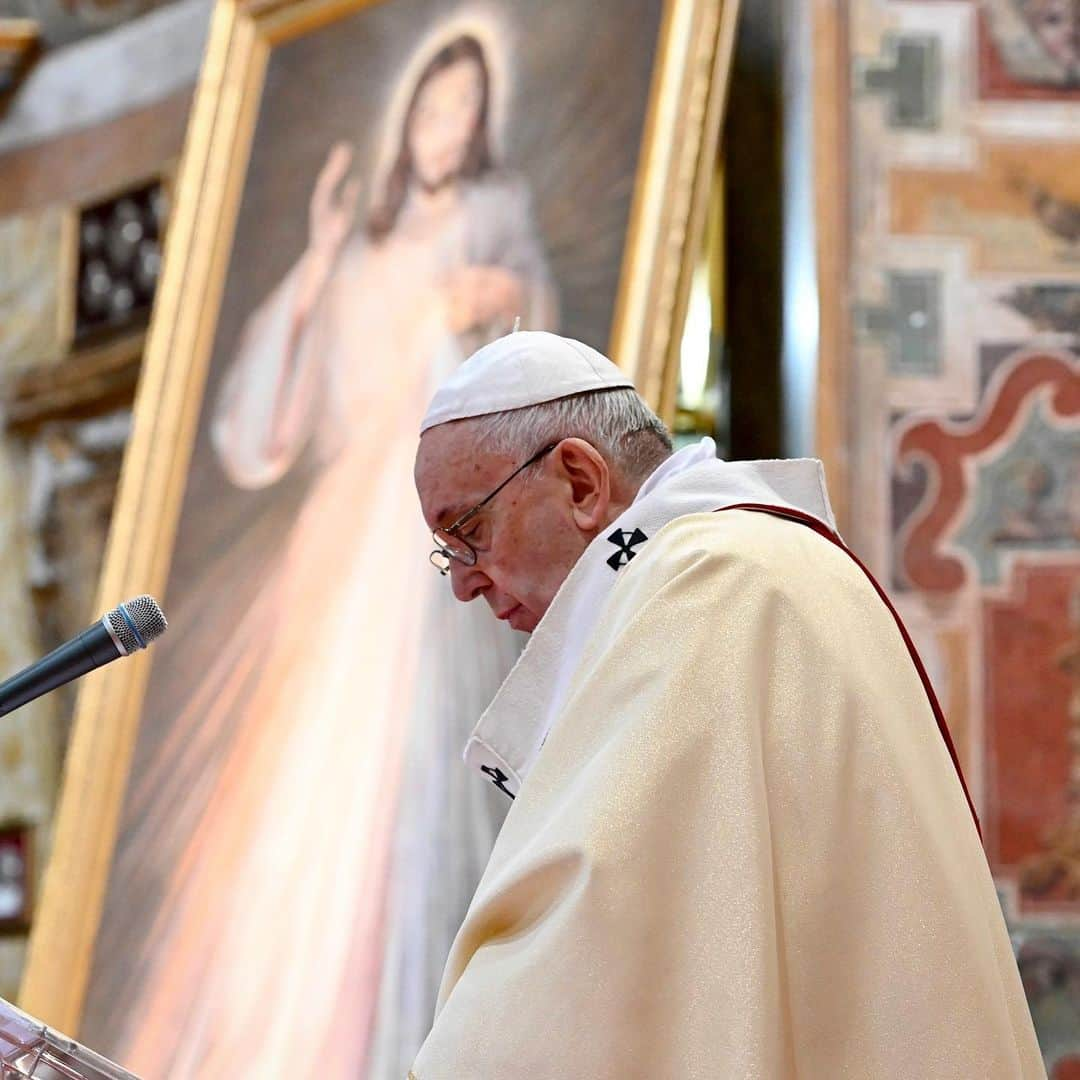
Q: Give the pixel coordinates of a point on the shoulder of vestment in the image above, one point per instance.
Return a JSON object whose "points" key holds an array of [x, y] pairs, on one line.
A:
{"points": [[746, 546]]}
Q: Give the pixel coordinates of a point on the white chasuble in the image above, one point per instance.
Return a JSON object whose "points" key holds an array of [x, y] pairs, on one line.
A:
{"points": [[739, 847]]}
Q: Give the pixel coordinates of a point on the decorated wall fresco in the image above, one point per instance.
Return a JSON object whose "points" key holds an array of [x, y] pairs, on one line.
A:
{"points": [[964, 293]]}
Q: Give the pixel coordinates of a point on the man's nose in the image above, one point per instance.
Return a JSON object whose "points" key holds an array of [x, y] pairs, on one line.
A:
{"points": [[468, 582]]}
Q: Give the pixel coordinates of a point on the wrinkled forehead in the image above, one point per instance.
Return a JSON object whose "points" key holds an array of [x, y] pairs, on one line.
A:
{"points": [[453, 473], [445, 450]]}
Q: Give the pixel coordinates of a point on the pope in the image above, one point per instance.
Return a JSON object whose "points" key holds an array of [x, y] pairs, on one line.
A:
{"points": [[740, 843]]}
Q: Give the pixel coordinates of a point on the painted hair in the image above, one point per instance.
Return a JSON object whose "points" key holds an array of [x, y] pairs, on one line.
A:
{"points": [[478, 158]]}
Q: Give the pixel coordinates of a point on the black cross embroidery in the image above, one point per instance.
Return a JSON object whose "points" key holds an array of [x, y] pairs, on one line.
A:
{"points": [[625, 542], [498, 778]]}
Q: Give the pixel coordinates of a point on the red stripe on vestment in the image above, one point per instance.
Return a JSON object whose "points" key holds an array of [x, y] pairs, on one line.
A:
{"points": [[823, 530]]}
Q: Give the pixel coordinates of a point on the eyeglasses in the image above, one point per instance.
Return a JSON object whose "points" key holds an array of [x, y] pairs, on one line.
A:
{"points": [[451, 546]]}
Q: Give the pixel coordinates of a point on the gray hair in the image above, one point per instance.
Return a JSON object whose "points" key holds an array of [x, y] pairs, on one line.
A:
{"points": [[617, 422]]}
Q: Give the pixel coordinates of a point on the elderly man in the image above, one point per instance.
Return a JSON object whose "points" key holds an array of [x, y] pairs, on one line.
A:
{"points": [[740, 844]]}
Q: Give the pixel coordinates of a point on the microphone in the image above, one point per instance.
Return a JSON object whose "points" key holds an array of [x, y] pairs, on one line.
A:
{"points": [[126, 629]]}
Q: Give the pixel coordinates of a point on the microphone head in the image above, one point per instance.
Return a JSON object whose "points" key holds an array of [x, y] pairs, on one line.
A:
{"points": [[135, 623]]}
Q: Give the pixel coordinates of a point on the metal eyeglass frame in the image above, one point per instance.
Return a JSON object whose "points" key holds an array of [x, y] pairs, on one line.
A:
{"points": [[440, 558]]}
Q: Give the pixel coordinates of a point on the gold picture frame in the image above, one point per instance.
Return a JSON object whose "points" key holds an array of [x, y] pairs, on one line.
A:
{"points": [[832, 208], [675, 167]]}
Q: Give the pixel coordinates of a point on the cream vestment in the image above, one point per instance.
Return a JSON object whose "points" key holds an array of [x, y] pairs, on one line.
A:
{"points": [[739, 847]]}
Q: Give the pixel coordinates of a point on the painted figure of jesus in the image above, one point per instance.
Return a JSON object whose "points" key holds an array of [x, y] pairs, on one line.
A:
{"points": [[316, 900]]}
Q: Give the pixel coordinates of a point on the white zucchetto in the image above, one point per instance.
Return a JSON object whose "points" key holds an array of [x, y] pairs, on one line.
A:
{"points": [[521, 369]]}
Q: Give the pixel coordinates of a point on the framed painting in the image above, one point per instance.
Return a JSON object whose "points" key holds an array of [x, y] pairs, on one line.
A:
{"points": [[266, 839]]}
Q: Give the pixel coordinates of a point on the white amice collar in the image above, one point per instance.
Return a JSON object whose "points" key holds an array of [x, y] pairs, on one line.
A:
{"points": [[513, 728], [679, 462]]}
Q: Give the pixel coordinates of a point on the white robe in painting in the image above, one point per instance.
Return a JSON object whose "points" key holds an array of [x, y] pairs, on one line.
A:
{"points": [[340, 789], [739, 846]]}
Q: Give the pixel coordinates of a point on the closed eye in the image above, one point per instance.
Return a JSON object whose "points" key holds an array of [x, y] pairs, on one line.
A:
{"points": [[474, 533]]}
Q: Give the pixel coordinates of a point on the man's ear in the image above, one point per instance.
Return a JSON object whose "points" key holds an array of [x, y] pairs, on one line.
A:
{"points": [[589, 479]]}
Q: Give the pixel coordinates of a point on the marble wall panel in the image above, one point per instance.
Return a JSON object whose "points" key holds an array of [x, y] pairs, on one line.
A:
{"points": [[964, 211]]}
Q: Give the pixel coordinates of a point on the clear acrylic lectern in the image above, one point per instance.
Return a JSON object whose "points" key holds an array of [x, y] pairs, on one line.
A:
{"points": [[30, 1049]]}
